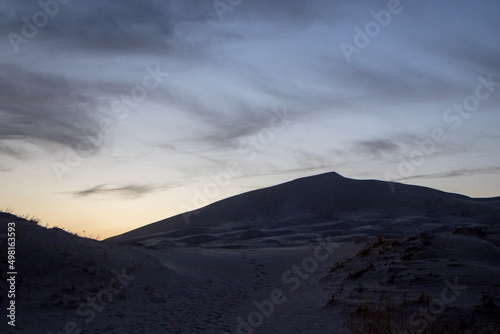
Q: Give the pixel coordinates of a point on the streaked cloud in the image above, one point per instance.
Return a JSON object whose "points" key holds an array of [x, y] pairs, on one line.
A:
{"points": [[129, 191], [455, 173], [225, 79]]}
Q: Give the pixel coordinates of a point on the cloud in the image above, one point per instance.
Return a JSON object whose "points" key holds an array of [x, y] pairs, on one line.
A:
{"points": [[226, 130], [129, 191], [162, 146], [360, 150], [233, 117], [376, 148], [455, 173], [169, 29], [113, 26], [310, 161], [371, 149], [14, 151], [42, 107], [121, 28], [51, 110], [227, 76], [465, 40]]}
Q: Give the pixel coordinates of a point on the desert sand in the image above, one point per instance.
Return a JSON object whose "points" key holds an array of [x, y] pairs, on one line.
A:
{"points": [[323, 254]]}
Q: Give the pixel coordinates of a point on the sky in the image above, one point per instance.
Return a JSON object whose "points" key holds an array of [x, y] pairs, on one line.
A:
{"points": [[116, 114]]}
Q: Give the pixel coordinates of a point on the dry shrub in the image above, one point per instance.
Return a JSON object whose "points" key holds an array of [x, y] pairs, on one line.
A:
{"points": [[385, 317]]}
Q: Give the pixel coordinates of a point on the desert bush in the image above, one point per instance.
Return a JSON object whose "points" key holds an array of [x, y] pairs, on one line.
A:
{"points": [[370, 317], [357, 273], [386, 317], [31, 218], [28, 217]]}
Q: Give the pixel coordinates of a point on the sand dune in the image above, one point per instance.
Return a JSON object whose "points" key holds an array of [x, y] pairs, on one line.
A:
{"points": [[319, 206], [315, 255]]}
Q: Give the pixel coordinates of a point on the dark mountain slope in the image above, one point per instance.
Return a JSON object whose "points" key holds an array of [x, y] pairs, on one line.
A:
{"points": [[307, 204]]}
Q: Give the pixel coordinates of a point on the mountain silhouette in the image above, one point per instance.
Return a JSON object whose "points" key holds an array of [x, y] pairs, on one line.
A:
{"points": [[317, 204]]}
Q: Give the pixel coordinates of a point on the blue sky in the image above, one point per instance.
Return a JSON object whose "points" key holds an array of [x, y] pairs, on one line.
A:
{"points": [[115, 114]]}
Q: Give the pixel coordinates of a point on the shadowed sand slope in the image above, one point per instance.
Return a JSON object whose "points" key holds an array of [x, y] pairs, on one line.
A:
{"points": [[326, 204], [323, 254]]}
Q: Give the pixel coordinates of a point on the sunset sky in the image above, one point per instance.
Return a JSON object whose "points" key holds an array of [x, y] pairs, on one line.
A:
{"points": [[115, 114]]}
